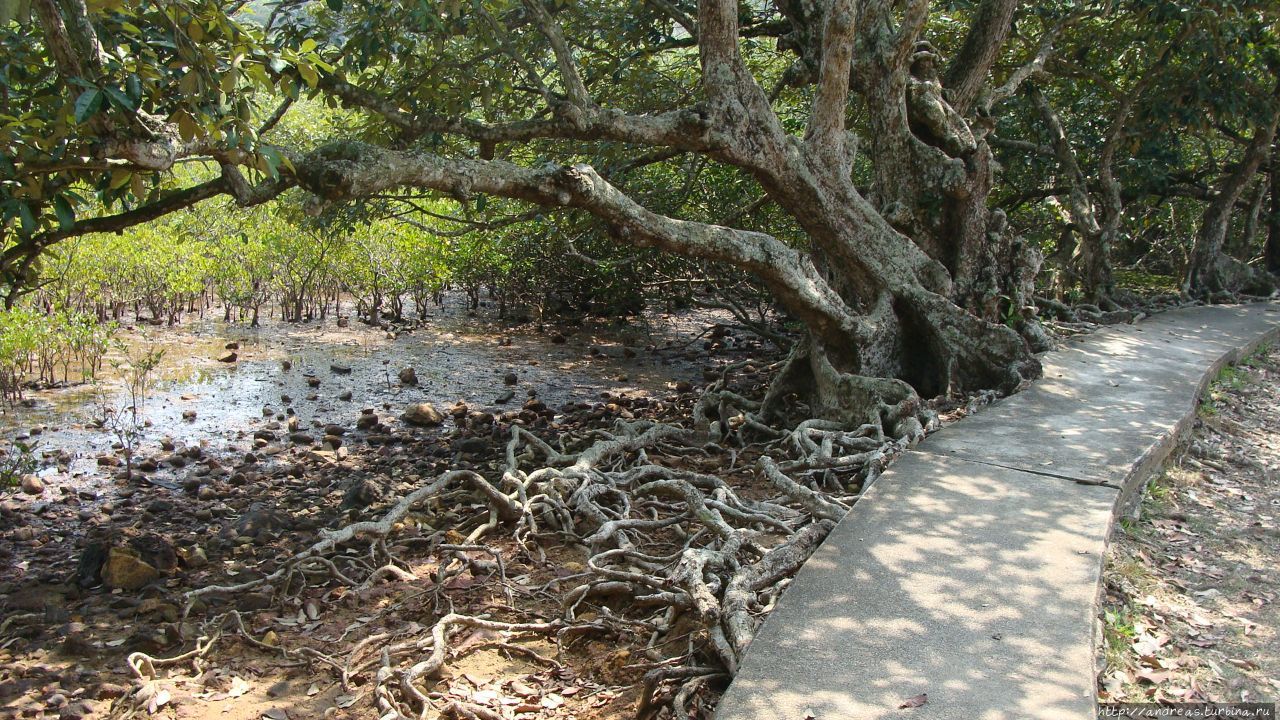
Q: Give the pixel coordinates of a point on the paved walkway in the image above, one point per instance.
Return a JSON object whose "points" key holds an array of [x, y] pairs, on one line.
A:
{"points": [[970, 570]]}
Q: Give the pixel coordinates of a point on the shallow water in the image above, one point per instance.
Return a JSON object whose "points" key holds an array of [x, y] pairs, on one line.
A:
{"points": [[456, 357]]}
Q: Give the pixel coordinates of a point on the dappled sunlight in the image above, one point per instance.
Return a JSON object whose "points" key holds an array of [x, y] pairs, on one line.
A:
{"points": [[969, 571]]}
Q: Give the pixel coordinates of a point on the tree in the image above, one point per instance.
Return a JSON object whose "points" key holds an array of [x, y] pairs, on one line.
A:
{"points": [[100, 101], [901, 283], [886, 249], [1211, 270]]}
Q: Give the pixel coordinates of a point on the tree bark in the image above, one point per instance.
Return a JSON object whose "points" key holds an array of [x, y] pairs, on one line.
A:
{"points": [[1271, 254], [967, 74], [1210, 271], [1094, 255]]}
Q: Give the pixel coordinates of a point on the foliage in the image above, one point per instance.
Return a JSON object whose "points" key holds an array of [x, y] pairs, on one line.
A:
{"points": [[19, 460], [40, 348], [125, 419]]}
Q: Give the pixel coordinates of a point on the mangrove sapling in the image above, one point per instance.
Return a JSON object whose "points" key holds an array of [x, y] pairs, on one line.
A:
{"points": [[16, 462], [124, 416]]}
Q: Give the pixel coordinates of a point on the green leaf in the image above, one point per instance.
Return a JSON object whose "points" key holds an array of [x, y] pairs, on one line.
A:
{"points": [[119, 99], [66, 216], [272, 158], [309, 74], [28, 219], [87, 104], [133, 86], [335, 5]]}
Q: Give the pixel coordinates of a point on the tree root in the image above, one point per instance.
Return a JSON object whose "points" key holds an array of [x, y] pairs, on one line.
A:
{"points": [[684, 547]]}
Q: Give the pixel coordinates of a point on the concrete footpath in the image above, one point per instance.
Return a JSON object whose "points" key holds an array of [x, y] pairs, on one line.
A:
{"points": [[970, 570]]}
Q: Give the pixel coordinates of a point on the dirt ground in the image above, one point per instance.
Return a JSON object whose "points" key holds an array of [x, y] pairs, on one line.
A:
{"points": [[214, 515], [1191, 611]]}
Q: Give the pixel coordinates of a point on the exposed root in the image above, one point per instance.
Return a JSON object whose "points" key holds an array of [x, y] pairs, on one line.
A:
{"points": [[699, 561]]}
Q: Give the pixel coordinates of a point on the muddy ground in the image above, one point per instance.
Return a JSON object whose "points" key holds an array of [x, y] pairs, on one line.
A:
{"points": [[1191, 609], [246, 462]]}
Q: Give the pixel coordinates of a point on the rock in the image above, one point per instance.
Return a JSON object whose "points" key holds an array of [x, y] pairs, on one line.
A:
{"points": [[332, 429], [344, 322], [125, 569], [206, 492], [504, 397], [110, 691], [32, 484], [510, 379], [340, 369], [293, 424], [177, 460], [684, 386], [147, 465], [193, 557], [266, 435], [333, 441], [78, 710], [258, 523], [108, 461], [301, 438], [233, 345], [361, 494], [188, 415], [366, 422], [286, 365], [408, 376], [229, 358], [558, 339], [254, 601], [167, 444], [313, 381], [422, 414], [75, 640], [345, 396], [472, 445]]}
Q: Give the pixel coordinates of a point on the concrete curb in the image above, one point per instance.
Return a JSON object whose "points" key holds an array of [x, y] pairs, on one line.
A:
{"points": [[971, 570], [1144, 470]]}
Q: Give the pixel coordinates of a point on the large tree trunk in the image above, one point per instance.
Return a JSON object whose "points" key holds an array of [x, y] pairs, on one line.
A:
{"points": [[1211, 271], [901, 297], [1093, 252], [934, 173], [1271, 254]]}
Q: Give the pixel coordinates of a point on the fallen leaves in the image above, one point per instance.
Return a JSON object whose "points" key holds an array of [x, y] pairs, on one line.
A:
{"points": [[1188, 617]]}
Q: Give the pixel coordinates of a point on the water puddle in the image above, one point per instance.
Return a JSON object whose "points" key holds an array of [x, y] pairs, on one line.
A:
{"points": [[309, 368]]}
